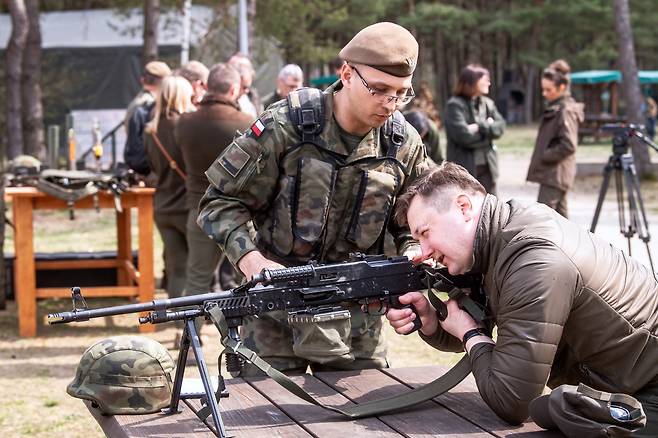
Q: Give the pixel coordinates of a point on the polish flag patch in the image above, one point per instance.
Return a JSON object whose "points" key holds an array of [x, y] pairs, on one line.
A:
{"points": [[257, 128]]}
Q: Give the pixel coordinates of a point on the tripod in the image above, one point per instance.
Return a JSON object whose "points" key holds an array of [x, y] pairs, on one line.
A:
{"points": [[621, 164]]}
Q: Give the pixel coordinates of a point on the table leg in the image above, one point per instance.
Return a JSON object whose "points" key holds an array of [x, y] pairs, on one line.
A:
{"points": [[146, 278], [24, 267], [124, 246]]}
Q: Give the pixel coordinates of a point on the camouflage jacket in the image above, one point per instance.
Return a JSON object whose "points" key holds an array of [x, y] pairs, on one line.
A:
{"points": [[306, 202]]}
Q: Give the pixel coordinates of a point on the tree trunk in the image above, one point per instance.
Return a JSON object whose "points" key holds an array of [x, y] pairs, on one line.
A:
{"points": [[630, 82], [151, 18], [32, 109], [13, 63]]}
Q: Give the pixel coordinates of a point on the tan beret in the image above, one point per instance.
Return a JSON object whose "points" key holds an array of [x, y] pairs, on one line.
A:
{"points": [[157, 68], [385, 46]]}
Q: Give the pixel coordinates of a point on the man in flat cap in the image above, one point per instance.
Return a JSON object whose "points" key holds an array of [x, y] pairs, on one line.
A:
{"points": [[320, 190], [138, 114]]}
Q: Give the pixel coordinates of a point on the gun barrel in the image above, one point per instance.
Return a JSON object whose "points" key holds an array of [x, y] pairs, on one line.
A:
{"points": [[169, 303]]}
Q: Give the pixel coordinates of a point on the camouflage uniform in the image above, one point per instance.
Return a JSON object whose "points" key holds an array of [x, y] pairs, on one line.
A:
{"points": [[309, 203]]}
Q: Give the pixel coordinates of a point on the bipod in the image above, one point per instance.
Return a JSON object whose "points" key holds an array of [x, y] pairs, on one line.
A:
{"points": [[209, 398], [636, 222]]}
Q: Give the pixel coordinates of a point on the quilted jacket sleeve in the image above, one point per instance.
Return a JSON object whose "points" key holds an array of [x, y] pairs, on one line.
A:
{"points": [[536, 285]]}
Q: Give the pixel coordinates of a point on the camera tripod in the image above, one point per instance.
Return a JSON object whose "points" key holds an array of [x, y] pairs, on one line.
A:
{"points": [[621, 164]]}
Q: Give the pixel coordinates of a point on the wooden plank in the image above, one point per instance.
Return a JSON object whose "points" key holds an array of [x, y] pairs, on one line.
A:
{"points": [[246, 413], [465, 400], [124, 247], [319, 422], [131, 271], [151, 425], [77, 264], [88, 291], [24, 270], [146, 283], [426, 419]]}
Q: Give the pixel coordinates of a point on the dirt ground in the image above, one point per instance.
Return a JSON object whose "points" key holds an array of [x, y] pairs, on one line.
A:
{"points": [[34, 372]]}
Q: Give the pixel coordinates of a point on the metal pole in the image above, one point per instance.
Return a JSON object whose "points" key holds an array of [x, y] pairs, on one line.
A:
{"points": [[185, 42], [243, 27], [53, 145]]}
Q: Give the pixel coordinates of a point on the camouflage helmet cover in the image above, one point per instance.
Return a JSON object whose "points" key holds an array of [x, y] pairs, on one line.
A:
{"points": [[124, 375]]}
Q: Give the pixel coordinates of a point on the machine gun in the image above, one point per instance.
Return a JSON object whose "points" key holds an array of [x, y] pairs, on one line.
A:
{"points": [[312, 293]]}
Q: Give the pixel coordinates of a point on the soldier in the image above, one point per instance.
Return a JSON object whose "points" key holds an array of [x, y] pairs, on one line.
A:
{"points": [[289, 79], [319, 190]]}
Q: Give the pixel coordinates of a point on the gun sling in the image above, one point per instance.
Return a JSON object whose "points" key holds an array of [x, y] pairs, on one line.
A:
{"points": [[376, 407]]}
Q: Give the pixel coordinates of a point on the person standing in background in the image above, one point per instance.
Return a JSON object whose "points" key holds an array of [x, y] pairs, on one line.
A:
{"points": [[472, 122], [196, 74], [203, 135], [289, 79], [166, 160], [249, 100], [553, 162]]}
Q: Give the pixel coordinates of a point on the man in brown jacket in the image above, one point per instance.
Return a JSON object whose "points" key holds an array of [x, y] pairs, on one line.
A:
{"points": [[203, 135], [568, 306]]}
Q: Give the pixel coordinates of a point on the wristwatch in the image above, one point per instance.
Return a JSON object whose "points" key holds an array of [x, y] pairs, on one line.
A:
{"points": [[479, 331]]}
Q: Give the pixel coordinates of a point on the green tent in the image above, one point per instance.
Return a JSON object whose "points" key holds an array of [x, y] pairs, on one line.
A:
{"points": [[603, 76]]}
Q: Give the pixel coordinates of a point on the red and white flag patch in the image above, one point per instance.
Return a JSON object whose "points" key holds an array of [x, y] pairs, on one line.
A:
{"points": [[257, 128]]}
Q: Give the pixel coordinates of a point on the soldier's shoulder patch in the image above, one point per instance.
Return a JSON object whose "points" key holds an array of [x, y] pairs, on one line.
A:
{"points": [[259, 127], [233, 159]]}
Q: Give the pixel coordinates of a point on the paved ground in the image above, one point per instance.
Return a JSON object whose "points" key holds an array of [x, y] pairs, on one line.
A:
{"points": [[582, 203]]}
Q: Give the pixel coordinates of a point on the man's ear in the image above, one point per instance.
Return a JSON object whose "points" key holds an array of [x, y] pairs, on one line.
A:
{"points": [[346, 74], [465, 205]]}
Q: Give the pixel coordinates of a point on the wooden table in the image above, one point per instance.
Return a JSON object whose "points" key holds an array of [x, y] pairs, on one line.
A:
{"points": [[259, 407], [131, 282]]}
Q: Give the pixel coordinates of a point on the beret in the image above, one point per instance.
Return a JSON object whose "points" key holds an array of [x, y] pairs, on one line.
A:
{"points": [[385, 46]]}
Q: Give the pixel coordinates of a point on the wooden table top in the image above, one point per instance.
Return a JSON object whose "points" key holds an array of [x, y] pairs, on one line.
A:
{"points": [[259, 407]]}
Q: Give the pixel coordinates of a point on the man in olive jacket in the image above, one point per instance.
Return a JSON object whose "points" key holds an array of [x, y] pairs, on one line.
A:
{"points": [[568, 306], [203, 135]]}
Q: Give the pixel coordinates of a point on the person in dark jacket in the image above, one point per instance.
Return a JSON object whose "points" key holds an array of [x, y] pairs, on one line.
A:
{"points": [[203, 135], [569, 307], [290, 78], [472, 122], [553, 162], [138, 114], [166, 160]]}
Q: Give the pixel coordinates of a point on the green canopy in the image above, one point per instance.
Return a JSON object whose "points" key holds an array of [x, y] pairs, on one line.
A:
{"points": [[602, 76]]}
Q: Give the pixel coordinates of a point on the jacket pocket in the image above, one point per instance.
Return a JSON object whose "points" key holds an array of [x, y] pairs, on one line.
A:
{"points": [[282, 238], [315, 184], [373, 205]]}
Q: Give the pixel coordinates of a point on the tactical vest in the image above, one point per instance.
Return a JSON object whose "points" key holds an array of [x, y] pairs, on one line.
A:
{"points": [[328, 205]]}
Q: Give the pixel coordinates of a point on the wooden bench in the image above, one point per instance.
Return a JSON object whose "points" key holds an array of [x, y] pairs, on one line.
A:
{"points": [[259, 407]]}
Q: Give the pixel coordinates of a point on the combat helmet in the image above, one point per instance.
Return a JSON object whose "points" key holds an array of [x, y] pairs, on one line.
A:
{"points": [[124, 375]]}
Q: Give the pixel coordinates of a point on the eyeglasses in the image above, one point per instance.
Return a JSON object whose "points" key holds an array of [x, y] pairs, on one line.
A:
{"points": [[385, 98]]}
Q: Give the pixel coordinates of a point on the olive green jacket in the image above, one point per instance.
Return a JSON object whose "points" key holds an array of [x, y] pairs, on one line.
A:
{"points": [[462, 144], [307, 202], [569, 308], [553, 161]]}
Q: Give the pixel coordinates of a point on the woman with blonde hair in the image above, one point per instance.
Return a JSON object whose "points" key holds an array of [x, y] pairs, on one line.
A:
{"points": [[166, 160]]}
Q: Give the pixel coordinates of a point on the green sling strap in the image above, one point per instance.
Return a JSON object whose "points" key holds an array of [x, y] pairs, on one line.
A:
{"points": [[376, 407]]}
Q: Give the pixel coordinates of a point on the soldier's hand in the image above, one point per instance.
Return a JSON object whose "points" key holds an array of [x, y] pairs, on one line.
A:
{"points": [[402, 319], [254, 262], [415, 254]]}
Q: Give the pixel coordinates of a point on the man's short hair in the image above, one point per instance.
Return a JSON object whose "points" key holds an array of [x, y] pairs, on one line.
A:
{"points": [[291, 71], [194, 71], [435, 181], [221, 78]]}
